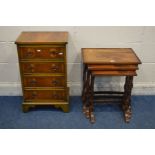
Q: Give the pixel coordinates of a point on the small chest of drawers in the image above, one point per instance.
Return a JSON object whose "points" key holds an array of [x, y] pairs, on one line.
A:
{"points": [[43, 69]]}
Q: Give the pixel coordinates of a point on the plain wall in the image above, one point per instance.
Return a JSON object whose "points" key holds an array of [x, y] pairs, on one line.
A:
{"points": [[141, 39]]}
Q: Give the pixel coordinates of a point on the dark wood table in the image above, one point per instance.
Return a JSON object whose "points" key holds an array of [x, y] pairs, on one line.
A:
{"points": [[108, 62]]}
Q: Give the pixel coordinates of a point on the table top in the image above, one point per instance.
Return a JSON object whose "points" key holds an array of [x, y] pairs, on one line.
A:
{"points": [[109, 56], [42, 38]]}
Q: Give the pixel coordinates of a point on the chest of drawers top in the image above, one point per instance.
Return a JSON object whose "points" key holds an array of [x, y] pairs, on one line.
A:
{"points": [[42, 38]]}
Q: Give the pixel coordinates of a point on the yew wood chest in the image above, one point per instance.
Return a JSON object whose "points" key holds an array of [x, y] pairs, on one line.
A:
{"points": [[43, 69]]}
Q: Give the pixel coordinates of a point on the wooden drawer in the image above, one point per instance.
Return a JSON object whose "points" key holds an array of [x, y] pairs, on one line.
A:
{"points": [[44, 81], [41, 52], [44, 95], [42, 67]]}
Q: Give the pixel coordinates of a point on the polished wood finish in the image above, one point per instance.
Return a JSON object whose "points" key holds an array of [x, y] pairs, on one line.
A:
{"points": [[44, 81], [110, 56], [108, 62], [42, 62], [43, 67], [44, 95], [41, 52], [42, 38]]}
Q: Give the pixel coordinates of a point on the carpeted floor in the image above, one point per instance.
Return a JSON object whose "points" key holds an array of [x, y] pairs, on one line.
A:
{"points": [[107, 116]]}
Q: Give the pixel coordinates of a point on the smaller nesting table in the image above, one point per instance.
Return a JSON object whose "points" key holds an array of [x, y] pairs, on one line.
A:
{"points": [[108, 62]]}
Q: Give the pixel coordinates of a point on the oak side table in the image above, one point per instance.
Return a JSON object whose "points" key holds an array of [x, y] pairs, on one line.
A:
{"points": [[108, 62]]}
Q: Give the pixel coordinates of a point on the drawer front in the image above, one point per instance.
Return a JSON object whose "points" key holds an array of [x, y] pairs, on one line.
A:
{"points": [[44, 81], [44, 95], [42, 52], [38, 67]]}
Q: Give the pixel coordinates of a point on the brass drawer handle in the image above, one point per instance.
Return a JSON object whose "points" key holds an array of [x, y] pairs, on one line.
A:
{"points": [[38, 50], [55, 82], [29, 53], [34, 94], [54, 67], [60, 53], [33, 81], [31, 67]]}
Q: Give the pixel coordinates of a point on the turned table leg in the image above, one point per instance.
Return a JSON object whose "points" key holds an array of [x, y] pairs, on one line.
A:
{"points": [[85, 76], [127, 98], [87, 94], [91, 101]]}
